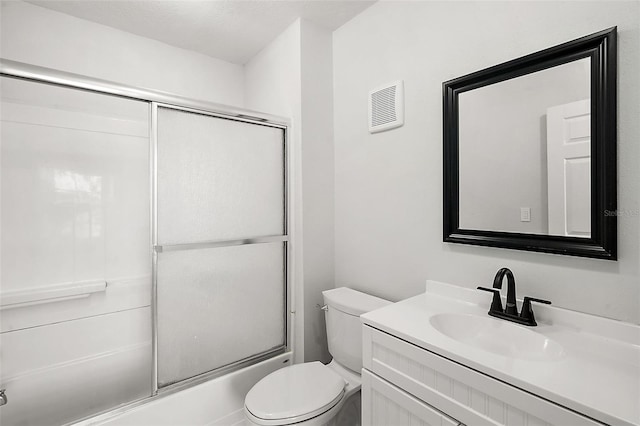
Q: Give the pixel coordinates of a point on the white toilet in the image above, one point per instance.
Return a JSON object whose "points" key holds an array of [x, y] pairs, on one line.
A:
{"points": [[312, 393]]}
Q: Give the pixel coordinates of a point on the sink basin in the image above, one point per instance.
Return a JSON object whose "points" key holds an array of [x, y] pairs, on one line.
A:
{"points": [[497, 336]]}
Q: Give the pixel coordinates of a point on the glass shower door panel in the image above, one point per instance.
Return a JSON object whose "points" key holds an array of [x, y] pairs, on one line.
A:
{"points": [[218, 179], [218, 306], [75, 270]]}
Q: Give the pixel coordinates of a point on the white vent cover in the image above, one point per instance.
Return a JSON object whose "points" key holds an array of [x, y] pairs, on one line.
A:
{"points": [[386, 107]]}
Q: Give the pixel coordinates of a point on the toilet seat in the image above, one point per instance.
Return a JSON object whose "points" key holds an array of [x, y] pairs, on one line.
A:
{"points": [[294, 394]]}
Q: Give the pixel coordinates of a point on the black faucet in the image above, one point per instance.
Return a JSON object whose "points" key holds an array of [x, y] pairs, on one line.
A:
{"points": [[511, 308], [510, 312]]}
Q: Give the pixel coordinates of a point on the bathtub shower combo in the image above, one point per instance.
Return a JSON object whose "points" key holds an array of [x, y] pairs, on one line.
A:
{"points": [[135, 226]]}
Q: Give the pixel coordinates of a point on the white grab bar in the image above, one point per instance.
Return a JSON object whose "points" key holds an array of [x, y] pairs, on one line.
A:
{"points": [[50, 293]]}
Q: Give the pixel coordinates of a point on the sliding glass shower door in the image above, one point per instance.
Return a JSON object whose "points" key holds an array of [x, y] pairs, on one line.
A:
{"points": [[142, 244], [75, 270], [220, 242]]}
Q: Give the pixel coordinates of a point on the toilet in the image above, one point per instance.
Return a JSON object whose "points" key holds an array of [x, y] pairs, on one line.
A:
{"points": [[315, 394]]}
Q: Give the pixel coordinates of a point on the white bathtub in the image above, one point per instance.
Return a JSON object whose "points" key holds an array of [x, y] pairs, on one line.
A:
{"points": [[216, 402]]}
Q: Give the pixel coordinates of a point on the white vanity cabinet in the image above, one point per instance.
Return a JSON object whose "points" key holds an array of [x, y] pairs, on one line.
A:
{"points": [[404, 384], [386, 404]]}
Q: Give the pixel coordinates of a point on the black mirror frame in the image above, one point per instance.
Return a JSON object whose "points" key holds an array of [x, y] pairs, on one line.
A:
{"points": [[601, 48]]}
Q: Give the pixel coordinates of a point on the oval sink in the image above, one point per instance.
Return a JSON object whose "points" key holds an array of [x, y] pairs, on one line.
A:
{"points": [[497, 336]]}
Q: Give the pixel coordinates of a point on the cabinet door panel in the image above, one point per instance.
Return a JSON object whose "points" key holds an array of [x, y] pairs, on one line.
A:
{"points": [[471, 397], [385, 404]]}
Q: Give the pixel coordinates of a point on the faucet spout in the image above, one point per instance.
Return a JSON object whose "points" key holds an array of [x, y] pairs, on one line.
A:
{"points": [[511, 307]]}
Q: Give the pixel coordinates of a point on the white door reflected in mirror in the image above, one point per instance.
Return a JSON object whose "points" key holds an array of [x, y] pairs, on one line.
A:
{"points": [[569, 169]]}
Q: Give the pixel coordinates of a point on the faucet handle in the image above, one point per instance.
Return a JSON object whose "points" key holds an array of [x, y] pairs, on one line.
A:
{"points": [[527, 312], [496, 303]]}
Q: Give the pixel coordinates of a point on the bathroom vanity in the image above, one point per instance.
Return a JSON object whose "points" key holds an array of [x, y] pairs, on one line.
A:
{"points": [[439, 359]]}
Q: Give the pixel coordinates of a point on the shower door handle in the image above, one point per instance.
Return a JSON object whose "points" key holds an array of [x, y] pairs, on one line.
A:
{"points": [[3, 397]]}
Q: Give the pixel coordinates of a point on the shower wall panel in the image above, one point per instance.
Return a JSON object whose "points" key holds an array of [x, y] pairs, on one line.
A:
{"points": [[75, 256]]}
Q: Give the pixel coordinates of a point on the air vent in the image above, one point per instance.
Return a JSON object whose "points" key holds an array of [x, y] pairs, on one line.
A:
{"points": [[386, 107]]}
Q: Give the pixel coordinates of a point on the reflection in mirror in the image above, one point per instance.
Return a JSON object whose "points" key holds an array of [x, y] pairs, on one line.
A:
{"points": [[524, 153], [529, 152]]}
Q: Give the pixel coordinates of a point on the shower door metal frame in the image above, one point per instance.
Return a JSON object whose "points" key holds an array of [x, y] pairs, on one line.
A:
{"points": [[155, 99], [157, 249]]}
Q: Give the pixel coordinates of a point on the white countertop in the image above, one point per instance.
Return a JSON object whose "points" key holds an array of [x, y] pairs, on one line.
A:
{"points": [[597, 375]]}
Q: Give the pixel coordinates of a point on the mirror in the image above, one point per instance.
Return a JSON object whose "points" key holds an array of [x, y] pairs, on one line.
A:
{"points": [[529, 152], [539, 123]]}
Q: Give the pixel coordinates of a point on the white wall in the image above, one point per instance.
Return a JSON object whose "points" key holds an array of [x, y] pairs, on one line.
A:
{"points": [[292, 77], [388, 186], [317, 182], [40, 36], [272, 83]]}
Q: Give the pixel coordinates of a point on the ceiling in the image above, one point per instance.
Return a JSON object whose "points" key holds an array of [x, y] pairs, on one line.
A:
{"points": [[232, 30]]}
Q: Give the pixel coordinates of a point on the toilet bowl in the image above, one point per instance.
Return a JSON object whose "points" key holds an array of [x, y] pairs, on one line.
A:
{"points": [[308, 394], [315, 394]]}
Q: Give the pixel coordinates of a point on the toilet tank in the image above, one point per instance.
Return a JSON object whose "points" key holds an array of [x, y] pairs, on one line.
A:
{"points": [[344, 329]]}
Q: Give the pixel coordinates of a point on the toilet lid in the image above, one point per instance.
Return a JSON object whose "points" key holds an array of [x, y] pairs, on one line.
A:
{"points": [[301, 391]]}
